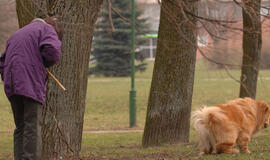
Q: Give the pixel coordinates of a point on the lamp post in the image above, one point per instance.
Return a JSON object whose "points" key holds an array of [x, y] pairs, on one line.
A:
{"points": [[132, 93]]}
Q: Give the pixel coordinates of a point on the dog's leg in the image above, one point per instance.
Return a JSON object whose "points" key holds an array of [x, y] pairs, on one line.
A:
{"points": [[204, 151], [226, 148], [242, 143], [225, 135]]}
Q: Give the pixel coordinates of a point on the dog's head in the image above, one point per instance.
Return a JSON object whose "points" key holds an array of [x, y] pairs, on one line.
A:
{"points": [[263, 116], [267, 119]]}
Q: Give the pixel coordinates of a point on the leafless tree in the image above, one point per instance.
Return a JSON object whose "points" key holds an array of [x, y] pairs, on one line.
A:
{"points": [[252, 44], [169, 104]]}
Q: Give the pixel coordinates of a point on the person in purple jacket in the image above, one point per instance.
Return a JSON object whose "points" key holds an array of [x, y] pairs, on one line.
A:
{"points": [[28, 53]]}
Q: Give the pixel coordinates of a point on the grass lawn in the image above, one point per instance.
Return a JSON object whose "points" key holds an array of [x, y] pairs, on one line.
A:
{"points": [[127, 146], [107, 105]]}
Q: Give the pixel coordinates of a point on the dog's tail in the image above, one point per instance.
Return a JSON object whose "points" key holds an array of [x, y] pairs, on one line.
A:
{"points": [[202, 120]]}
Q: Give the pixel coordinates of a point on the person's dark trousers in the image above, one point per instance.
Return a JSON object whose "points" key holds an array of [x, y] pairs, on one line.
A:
{"points": [[27, 136]]}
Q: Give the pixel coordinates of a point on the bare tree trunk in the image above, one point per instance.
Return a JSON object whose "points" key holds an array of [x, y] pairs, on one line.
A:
{"points": [[25, 12], [252, 42], [169, 105], [64, 111]]}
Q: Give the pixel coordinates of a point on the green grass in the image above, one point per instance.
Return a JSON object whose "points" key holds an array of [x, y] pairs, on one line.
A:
{"points": [[127, 146], [6, 117], [107, 105]]}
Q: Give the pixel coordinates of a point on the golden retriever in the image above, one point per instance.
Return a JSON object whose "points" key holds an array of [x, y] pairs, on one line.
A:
{"points": [[219, 127]]}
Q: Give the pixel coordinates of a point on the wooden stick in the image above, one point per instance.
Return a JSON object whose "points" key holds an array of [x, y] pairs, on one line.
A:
{"points": [[56, 80]]}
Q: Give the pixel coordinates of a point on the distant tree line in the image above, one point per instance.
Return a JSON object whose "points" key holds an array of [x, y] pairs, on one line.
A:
{"points": [[112, 41]]}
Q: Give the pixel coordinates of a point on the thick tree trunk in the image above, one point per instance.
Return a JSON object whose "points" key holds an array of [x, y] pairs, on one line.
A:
{"points": [[63, 113], [25, 13], [169, 105], [252, 42]]}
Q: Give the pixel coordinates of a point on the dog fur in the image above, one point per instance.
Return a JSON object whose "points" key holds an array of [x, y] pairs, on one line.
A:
{"points": [[219, 127]]}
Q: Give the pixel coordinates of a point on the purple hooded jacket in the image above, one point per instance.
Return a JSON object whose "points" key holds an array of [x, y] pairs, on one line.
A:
{"points": [[28, 52]]}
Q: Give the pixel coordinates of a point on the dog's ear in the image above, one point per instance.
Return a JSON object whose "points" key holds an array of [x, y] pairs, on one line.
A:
{"points": [[266, 109], [263, 106]]}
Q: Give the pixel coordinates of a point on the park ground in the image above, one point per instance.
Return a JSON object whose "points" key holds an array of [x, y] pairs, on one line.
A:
{"points": [[107, 109]]}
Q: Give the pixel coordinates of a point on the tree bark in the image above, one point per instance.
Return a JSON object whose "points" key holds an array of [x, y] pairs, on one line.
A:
{"points": [[25, 12], [63, 112], [252, 42], [169, 104]]}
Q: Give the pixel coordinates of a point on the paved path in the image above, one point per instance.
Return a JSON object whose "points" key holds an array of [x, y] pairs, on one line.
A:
{"points": [[98, 131], [114, 131]]}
